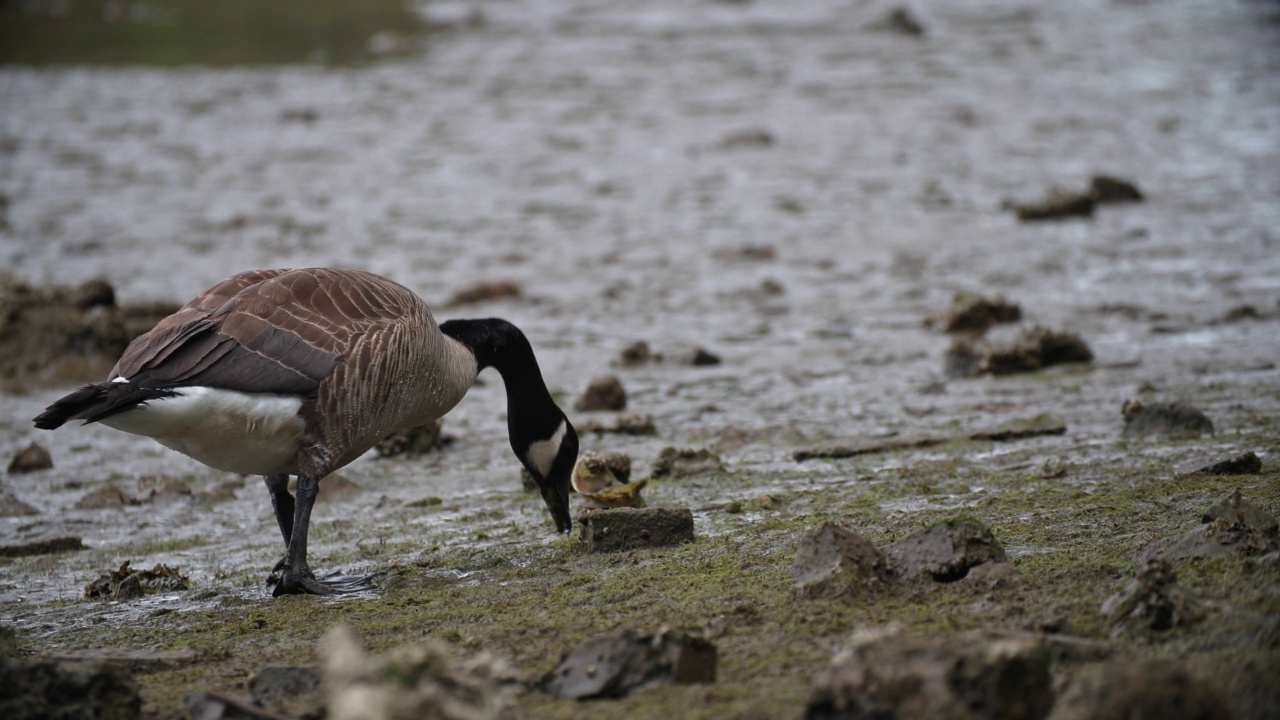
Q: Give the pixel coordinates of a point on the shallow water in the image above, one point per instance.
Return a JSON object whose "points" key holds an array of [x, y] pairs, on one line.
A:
{"points": [[601, 156]]}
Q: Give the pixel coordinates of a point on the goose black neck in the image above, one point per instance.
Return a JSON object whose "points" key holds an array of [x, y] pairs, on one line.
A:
{"points": [[500, 345]]}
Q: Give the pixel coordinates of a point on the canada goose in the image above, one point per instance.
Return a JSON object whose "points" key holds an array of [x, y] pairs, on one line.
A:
{"points": [[299, 372]]}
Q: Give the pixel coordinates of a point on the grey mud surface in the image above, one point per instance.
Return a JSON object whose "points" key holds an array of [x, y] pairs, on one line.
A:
{"points": [[602, 156]]}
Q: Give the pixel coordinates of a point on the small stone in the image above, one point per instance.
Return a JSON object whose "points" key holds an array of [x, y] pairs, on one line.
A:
{"points": [[677, 463], [945, 551], [1110, 189], [749, 138], [1171, 420], [701, 357], [1243, 463], [972, 313], [604, 392], [30, 459], [1033, 349], [94, 293], [483, 291], [900, 20], [617, 664], [105, 497], [992, 575], [630, 528], [635, 354], [1057, 205], [1128, 689], [832, 561]]}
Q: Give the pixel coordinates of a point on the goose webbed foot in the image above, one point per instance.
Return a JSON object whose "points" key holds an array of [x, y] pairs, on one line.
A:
{"points": [[305, 583]]}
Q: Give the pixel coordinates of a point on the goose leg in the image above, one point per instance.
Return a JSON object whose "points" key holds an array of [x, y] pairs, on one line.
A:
{"points": [[281, 502], [295, 575]]}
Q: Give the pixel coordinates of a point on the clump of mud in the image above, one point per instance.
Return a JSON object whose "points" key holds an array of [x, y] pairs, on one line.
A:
{"points": [[1152, 601], [1233, 527], [484, 291], [1033, 349], [603, 392], [59, 334], [30, 459], [1172, 420], [419, 440], [972, 313], [1129, 689], [617, 664], [129, 584], [1058, 204], [676, 463]]}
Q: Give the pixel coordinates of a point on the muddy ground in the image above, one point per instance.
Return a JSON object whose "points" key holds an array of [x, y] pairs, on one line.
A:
{"points": [[793, 188]]}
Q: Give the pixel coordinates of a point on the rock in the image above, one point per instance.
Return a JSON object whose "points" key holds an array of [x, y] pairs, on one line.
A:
{"points": [[415, 441], [1243, 463], [1033, 349], [832, 561], [424, 680], [1152, 601], [1171, 420], [42, 546], [93, 293], [483, 291], [1235, 509], [1130, 689], [1110, 189], [280, 681], [992, 575], [677, 463], [749, 138], [900, 20], [944, 551], [617, 664], [635, 354], [31, 458], [604, 392], [1056, 205], [13, 506], [971, 313], [107, 496], [889, 675], [701, 357], [42, 689], [630, 528], [630, 424]]}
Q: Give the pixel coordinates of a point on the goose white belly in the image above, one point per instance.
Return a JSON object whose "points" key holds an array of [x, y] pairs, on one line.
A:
{"points": [[255, 434]]}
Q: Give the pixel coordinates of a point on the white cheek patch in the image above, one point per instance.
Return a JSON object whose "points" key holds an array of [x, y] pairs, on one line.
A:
{"points": [[542, 453]]}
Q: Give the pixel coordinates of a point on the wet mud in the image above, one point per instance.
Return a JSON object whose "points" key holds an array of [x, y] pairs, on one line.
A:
{"points": [[790, 191]]}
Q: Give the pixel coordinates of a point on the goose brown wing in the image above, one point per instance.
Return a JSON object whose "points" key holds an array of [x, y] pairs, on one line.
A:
{"points": [[272, 331]]}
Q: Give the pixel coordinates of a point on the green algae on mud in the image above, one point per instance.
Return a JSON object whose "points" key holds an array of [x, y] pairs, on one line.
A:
{"points": [[1073, 542]]}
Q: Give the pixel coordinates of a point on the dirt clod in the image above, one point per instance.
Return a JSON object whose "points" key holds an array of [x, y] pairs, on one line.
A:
{"points": [[1033, 349], [972, 313], [604, 392], [676, 463], [484, 291], [424, 680], [945, 551], [1152, 601], [1125, 689], [889, 674], [617, 664], [36, 690], [1111, 189], [701, 357], [415, 441], [630, 528], [832, 561], [1233, 527], [1242, 463], [1058, 204], [636, 354], [31, 458], [1172, 420]]}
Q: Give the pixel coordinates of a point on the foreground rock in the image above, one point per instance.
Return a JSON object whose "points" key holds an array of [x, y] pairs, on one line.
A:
{"points": [[945, 551], [1033, 349], [42, 689], [1152, 601], [603, 392], [1170, 420], [1128, 690], [631, 528], [890, 675], [832, 562], [426, 680], [617, 664], [31, 458], [1233, 527]]}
